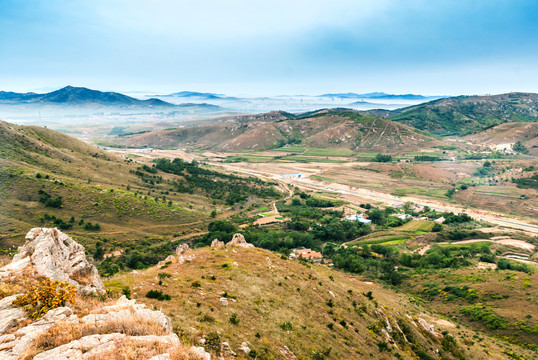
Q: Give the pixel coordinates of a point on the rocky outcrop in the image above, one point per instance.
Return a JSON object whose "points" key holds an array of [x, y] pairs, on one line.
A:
{"points": [[182, 249], [126, 309], [55, 255], [239, 240], [51, 253], [217, 244]]}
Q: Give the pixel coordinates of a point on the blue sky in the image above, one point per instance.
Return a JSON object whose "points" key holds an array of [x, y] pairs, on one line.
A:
{"points": [[271, 47]]}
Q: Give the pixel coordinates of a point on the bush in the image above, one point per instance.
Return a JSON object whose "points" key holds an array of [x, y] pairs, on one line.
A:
{"points": [[382, 158], [157, 294], [44, 296], [92, 227], [234, 319], [286, 326]]}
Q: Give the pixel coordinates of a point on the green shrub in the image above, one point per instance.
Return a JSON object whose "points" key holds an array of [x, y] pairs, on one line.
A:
{"points": [[157, 294]]}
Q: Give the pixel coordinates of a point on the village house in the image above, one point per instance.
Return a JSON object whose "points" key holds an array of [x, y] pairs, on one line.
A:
{"points": [[363, 218], [306, 254]]}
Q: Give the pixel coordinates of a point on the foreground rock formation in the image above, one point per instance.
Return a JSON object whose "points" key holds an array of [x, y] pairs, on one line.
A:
{"points": [[109, 331], [55, 255]]}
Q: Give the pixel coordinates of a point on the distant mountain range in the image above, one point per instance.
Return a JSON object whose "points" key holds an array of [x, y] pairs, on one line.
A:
{"points": [[81, 96], [375, 95], [199, 95]]}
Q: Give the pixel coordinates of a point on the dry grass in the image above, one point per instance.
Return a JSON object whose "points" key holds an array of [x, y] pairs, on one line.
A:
{"points": [[130, 350], [65, 332]]}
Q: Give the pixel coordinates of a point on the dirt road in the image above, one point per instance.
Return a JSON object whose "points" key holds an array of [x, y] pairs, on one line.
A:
{"points": [[357, 196]]}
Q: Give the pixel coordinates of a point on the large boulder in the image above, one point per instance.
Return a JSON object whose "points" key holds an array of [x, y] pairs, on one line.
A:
{"points": [[239, 240], [55, 255]]}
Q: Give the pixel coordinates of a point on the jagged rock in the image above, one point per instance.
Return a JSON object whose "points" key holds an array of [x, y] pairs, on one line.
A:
{"points": [[9, 315], [287, 353], [182, 249], [244, 348], [168, 258], [239, 240], [127, 309], [25, 336], [226, 350], [216, 244], [428, 327], [55, 255], [181, 259], [200, 352], [93, 345]]}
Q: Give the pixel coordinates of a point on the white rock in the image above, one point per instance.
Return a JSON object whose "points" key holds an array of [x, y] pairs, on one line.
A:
{"points": [[182, 249], [126, 309], [165, 356], [200, 352], [226, 350], [10, 315], [216, 244], [58, 257], [239, 240], [244, 348], [224, 301]]}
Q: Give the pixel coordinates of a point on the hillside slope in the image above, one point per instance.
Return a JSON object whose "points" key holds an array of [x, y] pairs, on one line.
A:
{"points": [[281, 307], [464, 115], [46, 176], [338, 129]]}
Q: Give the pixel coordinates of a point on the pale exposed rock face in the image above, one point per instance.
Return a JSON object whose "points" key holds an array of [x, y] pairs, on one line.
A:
{"points": [[216, 244], [226, 350], [200, 352], [9, 315], [55, 255], [244, 348], [92, 345], [125, 309], [239, 240], [182, 249]]}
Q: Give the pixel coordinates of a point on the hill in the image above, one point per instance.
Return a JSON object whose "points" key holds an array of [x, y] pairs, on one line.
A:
{"points": [[80, 96], [332, 129], [52, 179], [465, 115], [508, 133], [287, 309]]}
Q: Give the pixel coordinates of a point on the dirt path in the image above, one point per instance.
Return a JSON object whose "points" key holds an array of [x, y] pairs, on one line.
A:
{"points": [[359, 195]]}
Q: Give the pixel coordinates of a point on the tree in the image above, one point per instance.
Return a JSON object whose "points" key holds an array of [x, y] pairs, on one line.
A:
{"points": [[520, 148], [213, 213]]}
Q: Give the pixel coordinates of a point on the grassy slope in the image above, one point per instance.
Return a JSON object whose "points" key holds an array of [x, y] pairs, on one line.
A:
{"points": [[469, 114], [271, 291], [93, 185]]}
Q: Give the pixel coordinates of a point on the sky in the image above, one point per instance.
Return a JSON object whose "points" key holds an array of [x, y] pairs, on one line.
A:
{"points": [[270, 47]]}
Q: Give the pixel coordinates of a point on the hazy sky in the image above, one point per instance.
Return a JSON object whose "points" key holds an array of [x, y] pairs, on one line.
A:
{"points": [[272, 46]]}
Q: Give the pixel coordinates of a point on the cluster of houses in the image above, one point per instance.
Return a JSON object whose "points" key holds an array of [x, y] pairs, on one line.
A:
{"points": [[306, 254]]}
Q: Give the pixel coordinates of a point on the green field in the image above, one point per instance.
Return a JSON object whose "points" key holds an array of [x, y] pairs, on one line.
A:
{"points": [[416, 226], [292, 149], [328, 152]]}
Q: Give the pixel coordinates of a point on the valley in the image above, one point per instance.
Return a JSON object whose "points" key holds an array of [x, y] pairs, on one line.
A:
{"points": [[413, 230]]}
